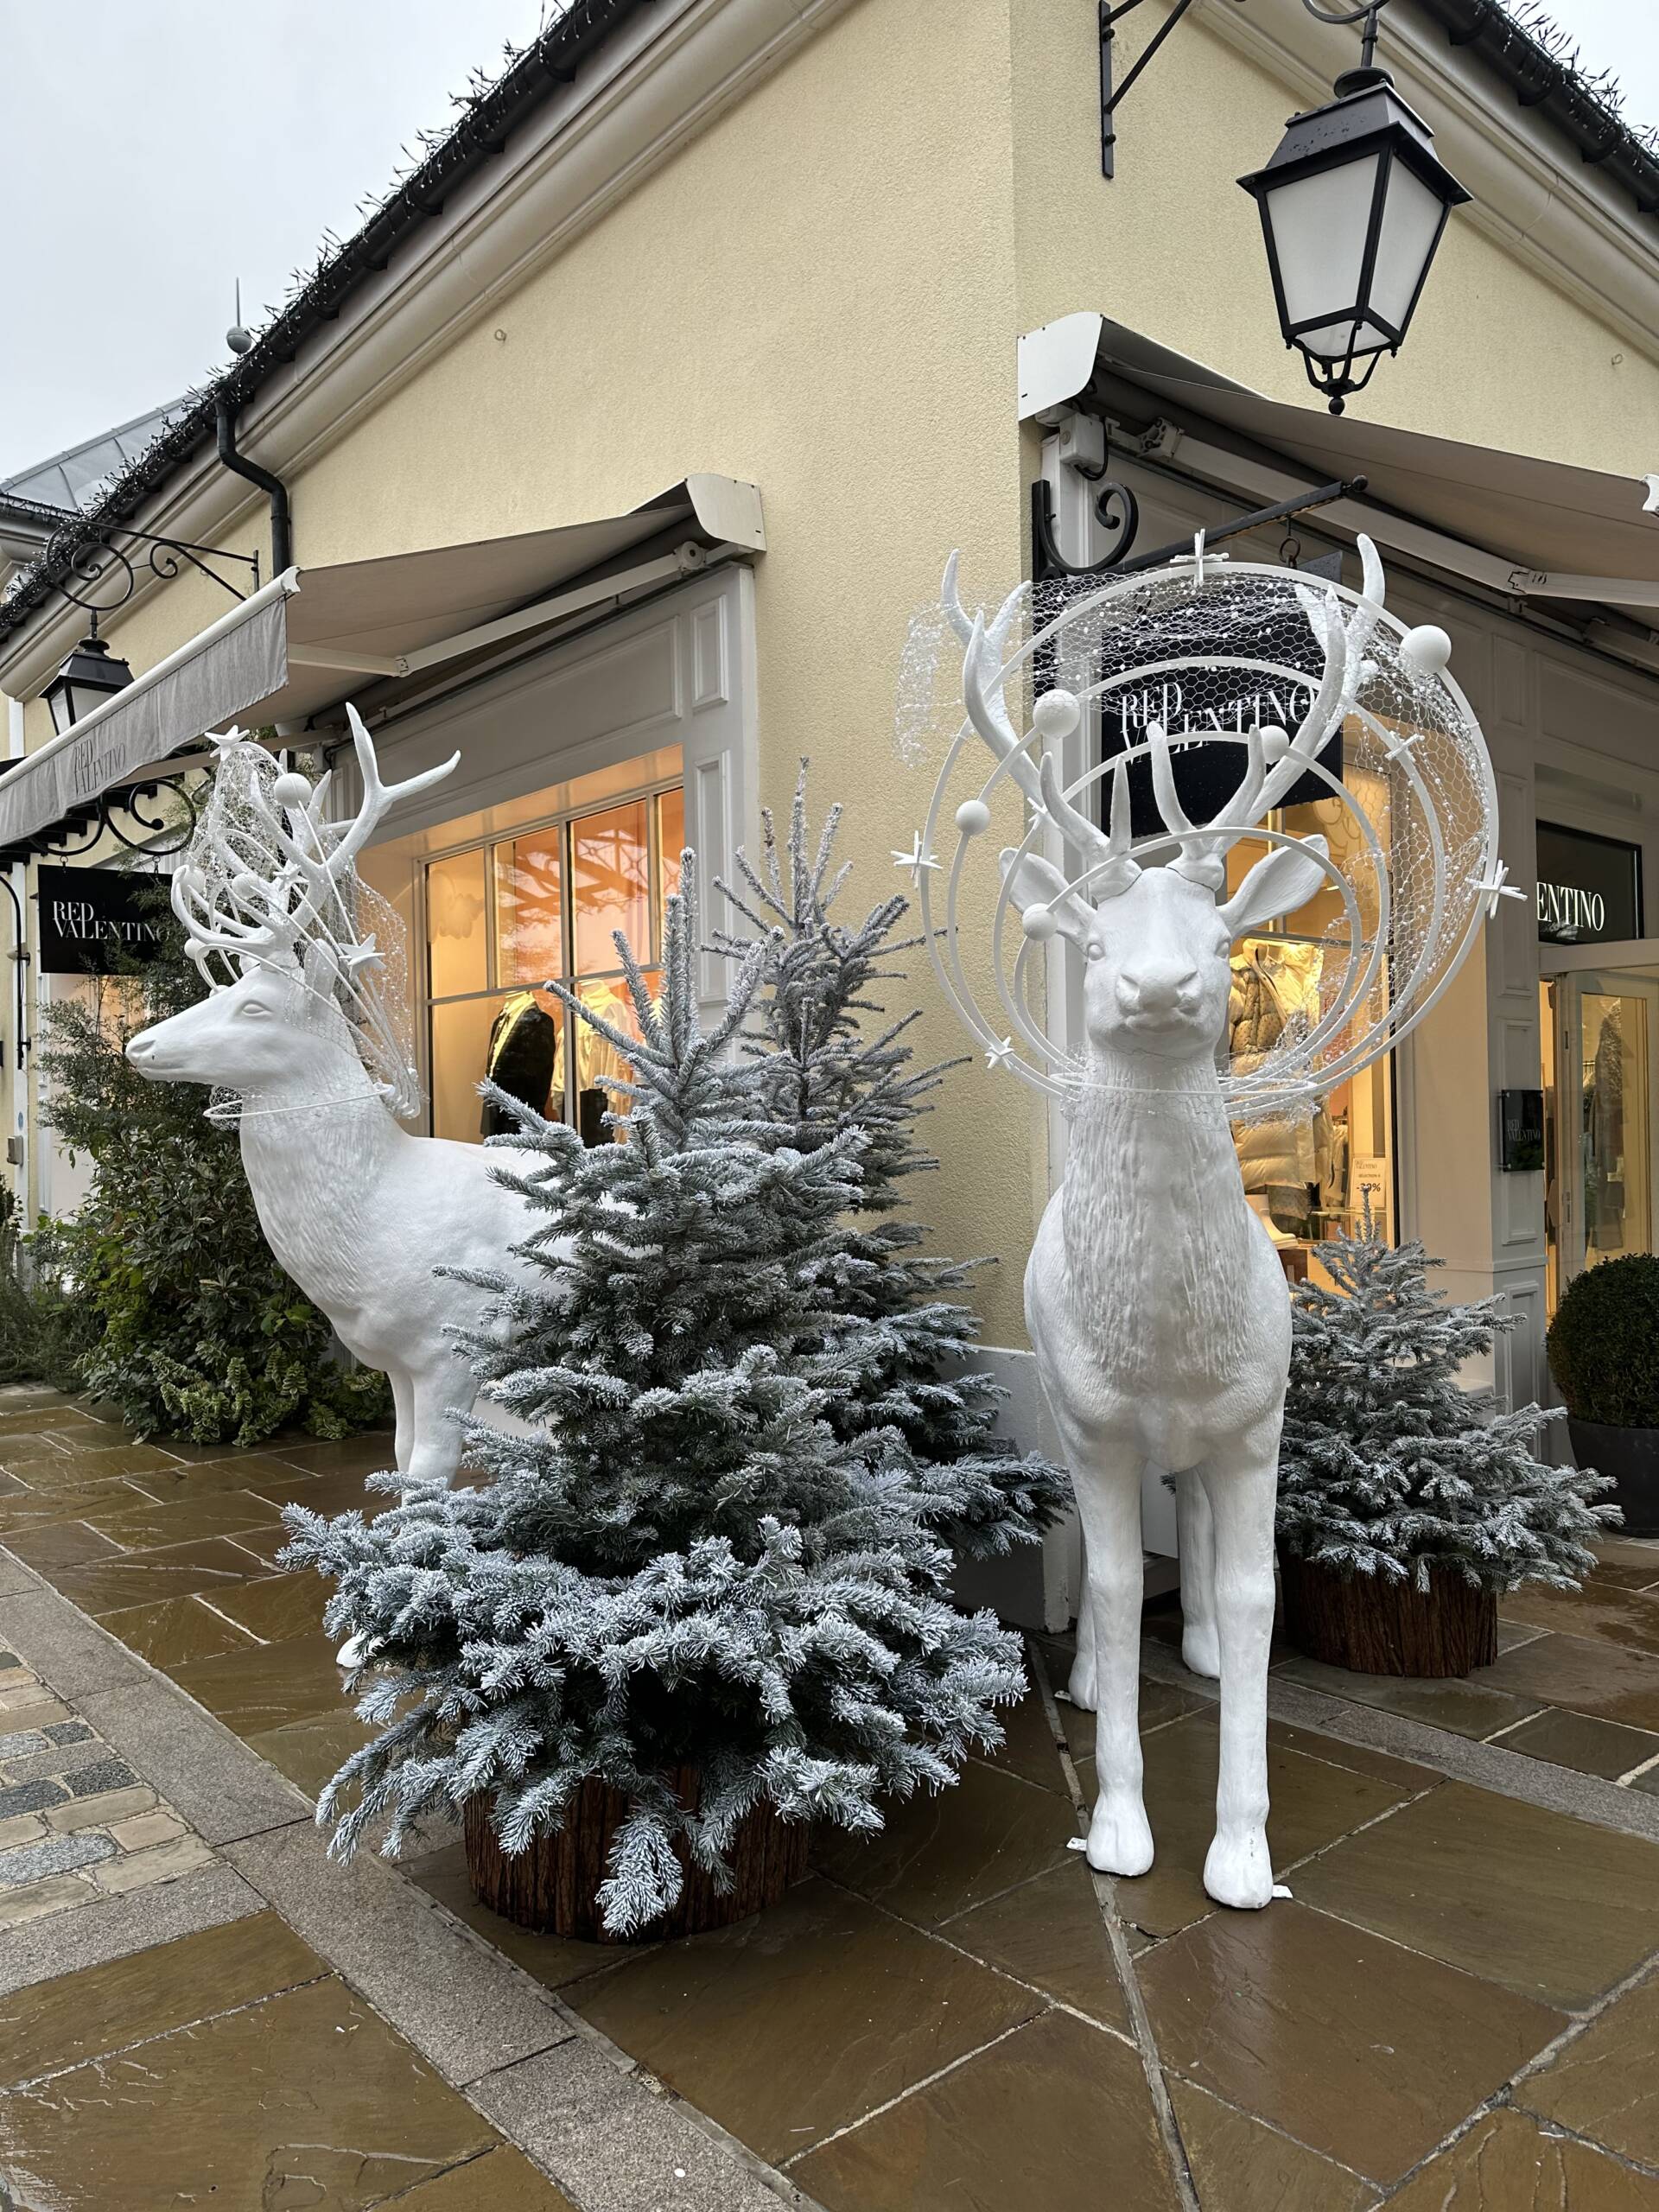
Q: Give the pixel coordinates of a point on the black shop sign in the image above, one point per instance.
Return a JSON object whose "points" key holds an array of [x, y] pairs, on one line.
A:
{"points": [[94, 922], [1197, 703], [1589, 888]]}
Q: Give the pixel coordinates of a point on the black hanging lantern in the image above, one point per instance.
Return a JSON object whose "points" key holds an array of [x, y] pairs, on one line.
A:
{"points": [[90, 676], [1353, 204]]}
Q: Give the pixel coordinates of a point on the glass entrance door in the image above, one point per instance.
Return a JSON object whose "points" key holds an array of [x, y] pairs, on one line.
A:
{"points": [[1601, 1090]]}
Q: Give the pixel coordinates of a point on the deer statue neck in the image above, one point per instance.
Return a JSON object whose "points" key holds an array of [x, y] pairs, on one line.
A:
{"points": [[315, 1150], [1156, 1227]]}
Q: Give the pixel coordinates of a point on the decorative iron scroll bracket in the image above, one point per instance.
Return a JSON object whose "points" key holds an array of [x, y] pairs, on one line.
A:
{"points": [[1116, 508], [101, 573], [119, 814]]}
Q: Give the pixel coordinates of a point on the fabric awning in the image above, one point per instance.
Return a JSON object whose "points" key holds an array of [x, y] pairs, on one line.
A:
{"points": [[222, 671], [1533, 529], [314, 637]]}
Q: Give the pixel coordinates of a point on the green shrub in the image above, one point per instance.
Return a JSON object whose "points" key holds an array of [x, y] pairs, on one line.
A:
{"points": [[1604, 1343], [181, 1315]]}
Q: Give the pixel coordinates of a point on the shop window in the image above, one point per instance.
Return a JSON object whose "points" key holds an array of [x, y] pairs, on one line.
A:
{"points": [[1308, 1171], [507, 915]]}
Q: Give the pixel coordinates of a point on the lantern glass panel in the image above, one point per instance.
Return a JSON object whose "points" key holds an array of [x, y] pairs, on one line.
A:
{"points": [[1320, 225], [1412, 216]]}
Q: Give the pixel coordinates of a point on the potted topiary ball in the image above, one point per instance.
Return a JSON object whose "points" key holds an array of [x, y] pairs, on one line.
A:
{"points": [[1407, 1503], [1604, 1354]]}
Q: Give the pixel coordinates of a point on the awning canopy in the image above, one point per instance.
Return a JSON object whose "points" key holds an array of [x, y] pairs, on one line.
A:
{"points": [[315, 636], [1535, 530]]}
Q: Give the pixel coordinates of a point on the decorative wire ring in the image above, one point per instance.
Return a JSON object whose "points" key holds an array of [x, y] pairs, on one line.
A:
{"points": [[1277, 1089]]}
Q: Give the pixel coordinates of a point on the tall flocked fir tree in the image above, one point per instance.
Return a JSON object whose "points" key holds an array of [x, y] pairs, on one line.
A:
{"points": [[695, 1559], [1388, 1467], [832, 1064]]}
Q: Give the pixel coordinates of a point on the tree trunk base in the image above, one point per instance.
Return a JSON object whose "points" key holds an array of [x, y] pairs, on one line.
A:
{"points": [[1374, 1627], [553, 1887]]}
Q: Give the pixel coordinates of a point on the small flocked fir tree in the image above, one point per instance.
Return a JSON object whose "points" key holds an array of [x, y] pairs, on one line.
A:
{"points": [[833, 1063], [690, 1562], [1387, 1467]]}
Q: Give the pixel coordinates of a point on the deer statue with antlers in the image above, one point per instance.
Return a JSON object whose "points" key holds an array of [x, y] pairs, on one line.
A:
{"points": [[357, 1210], [1156, 1303]]}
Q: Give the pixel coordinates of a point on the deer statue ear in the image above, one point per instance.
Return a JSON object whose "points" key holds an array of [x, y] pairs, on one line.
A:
{"points": [[1286, 879], [1034, 882]]}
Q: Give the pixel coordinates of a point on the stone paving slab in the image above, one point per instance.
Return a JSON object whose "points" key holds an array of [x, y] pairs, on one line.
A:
{"points": [[223, 1789], [115, 1927], [615, 2143], [463, 2006]]}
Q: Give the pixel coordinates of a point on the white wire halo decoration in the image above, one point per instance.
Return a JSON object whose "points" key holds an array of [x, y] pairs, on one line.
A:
{"points": [[1423, 846]]}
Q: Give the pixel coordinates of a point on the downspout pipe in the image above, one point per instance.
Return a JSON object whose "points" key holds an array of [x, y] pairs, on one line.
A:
{"points": [[282, 527]]}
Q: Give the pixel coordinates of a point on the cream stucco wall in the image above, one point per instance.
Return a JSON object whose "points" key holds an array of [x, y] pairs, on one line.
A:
{"points": [[816, 294]]}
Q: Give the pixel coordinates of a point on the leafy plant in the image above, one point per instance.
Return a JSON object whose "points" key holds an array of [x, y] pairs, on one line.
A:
{"points": [[1604, 1343], [1388, 1467], [181, 1316]]}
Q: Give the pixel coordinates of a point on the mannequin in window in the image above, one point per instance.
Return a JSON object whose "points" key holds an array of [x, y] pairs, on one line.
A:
{"points": [[596, 1057], [1275, 989], [523, 1058]]}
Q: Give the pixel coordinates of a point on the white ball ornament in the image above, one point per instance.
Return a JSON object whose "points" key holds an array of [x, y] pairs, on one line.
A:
{"points": [[1426, 650], [1055, 716], [291, 789], [973, 816], [1275, 742], [1040, 923]]}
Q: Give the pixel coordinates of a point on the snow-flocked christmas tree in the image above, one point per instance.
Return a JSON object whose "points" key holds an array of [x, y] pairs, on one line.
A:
{"points": [[1387, 1467], [832, 1063], [696, 1561]]}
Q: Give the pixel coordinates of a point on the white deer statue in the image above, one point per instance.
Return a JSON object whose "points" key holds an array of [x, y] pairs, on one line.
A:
{"points": [[357, 1210], [1156, 1303]]}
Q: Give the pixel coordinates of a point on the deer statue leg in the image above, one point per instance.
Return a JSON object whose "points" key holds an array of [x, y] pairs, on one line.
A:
{"points": [[1241, 1485], [1109, 1499], [1080, 1686], [356, 1648], [1195, 1535], [440, 1394]]}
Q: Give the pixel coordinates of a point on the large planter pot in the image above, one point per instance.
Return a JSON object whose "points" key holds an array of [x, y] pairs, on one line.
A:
{"points": [[1630, 1456], [553, 1885], [1374, 1627]]}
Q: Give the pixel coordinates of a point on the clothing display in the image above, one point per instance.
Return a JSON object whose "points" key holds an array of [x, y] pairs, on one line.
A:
{"points": [[522, 1059], [1275, 990]]}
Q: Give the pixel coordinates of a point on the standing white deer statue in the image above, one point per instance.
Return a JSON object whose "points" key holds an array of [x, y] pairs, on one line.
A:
{"points": [[357, 1210], [1156, 1302]]}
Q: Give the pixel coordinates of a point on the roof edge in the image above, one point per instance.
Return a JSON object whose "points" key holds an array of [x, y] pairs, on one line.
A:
{"points": [[545, 67]]}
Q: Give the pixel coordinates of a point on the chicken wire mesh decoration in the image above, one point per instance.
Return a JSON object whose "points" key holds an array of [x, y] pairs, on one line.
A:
{"points": [[268, 880], [1198, 715]]}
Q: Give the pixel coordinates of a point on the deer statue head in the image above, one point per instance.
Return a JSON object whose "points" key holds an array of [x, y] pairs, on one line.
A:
{"points": [[1156, 941], [270, 890]]}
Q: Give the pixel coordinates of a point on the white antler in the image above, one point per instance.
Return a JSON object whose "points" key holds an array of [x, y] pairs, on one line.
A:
{"points": [[982, 681], [1343, 646]]}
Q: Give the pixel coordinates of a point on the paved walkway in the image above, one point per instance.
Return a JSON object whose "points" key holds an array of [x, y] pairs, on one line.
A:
{"points": [[1457, 2011]]}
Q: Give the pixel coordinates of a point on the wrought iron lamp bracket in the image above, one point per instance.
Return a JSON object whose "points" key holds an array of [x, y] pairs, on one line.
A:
{"points": [[1112, 13], [100, 573]]}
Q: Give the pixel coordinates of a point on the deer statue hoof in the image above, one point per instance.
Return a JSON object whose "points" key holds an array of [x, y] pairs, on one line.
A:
{"points": [[1120, 1841], [1201, 1649], [1238, 1870], [354, 1653], [1080, 1684]]}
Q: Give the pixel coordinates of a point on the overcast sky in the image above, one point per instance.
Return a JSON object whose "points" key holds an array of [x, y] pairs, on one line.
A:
{"points": [[155, 153]]}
